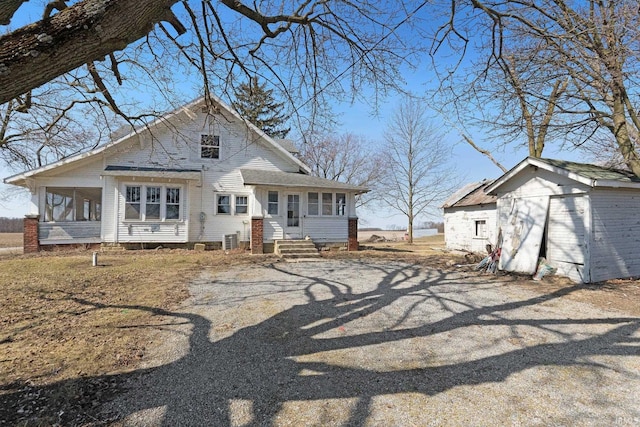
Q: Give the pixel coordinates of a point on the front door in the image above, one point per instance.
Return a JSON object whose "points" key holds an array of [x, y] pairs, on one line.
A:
{"points": [[293, 229]]}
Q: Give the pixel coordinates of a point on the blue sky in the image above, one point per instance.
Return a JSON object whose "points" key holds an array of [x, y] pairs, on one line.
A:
{"points": [[358, 119]]}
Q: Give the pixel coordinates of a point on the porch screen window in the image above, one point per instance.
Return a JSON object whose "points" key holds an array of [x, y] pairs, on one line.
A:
{"points": [[341, 202], [327, 201], [173, 203], [224, 204], [210, 146], [72, 204], [241, 205], [272, 204], [313, 204], [132, 203], [153, 203]]}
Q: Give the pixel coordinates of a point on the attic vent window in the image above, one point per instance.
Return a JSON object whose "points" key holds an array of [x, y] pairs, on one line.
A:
{"points": [[210, 146]]}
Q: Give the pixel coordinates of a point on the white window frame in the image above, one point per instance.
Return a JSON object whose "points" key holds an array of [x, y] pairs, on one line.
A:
{"points": [[316, 204], [236, 204], [480, 231], [163, 202], [340, 209], [218, 204], [276, 204], [213, 145], [323, 204]]}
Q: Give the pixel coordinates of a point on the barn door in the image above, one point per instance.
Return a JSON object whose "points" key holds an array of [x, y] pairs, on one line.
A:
{"points": [[566, 237], [522, 234]]}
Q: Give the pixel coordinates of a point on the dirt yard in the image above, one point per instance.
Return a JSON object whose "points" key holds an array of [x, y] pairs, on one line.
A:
{"points": [[73, 337]]}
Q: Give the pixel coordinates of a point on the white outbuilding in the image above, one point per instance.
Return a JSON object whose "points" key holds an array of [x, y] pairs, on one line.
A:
{"points": [[470, 218], [582, 218]]}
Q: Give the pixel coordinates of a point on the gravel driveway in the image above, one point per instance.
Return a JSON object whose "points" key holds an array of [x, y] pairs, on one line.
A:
{"points": [[353, 343]]}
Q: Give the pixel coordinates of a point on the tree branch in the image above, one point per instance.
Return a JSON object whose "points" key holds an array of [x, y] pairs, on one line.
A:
{"points": [[484, 153], [85, 32]]}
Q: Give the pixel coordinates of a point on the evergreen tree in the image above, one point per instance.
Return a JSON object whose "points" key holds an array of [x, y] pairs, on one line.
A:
{"points": [[256, 104]]}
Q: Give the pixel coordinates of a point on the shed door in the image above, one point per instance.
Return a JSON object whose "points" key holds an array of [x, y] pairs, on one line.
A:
{"points": [[566, 240], [522, 234]]}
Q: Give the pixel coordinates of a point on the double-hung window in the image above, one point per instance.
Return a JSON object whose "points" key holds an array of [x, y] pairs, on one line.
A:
{"points": [[151, 203], [313, 204], [272, 203], [173, 203], [327, 203], [341, 203], [132, 203], [223, 204], [209, 146], [152, 209], [242, 205]]}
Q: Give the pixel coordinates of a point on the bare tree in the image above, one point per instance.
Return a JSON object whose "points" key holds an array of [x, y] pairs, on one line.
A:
{"points": [[418, 176], [591, 46], [130, 58], [345, 158]]}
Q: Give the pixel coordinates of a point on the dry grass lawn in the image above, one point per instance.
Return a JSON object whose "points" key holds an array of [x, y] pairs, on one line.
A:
{"points": [[10, 240], [61, 318]]}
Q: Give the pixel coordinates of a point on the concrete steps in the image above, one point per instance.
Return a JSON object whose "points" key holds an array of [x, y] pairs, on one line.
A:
{"points": [[296, 249]]}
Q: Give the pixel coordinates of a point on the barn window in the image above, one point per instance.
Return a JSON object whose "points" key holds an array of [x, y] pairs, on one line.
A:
{"points": [[481, 228]]}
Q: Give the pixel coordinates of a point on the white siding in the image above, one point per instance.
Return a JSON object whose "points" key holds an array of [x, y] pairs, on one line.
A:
{"points": [[156, 231], [460, 227], [567, 237], [178, 147], [615, 242], [109, 209], [50, 233], [531, 182], [272, 229], [326, 229]]}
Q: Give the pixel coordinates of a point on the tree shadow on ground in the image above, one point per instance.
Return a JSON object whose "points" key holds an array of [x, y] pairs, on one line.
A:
{"points": [[264, 365]]}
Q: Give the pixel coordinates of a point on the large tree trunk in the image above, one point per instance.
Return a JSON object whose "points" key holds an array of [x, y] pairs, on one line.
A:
{"points": [[85, 32], [621, 132]]}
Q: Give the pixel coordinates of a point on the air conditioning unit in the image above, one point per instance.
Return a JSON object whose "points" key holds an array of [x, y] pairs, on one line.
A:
{"points": [[230, 241]]}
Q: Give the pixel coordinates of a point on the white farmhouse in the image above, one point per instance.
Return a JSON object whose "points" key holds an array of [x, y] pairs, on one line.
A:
{"points": [[200, 174]]}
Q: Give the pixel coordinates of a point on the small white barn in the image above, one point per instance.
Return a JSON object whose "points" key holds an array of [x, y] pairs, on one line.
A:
{"points": [[470, 218], [582, 218]]}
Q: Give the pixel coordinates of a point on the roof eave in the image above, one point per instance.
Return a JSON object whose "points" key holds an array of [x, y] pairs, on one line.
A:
{"points": [[532, 161], [615, 184]]}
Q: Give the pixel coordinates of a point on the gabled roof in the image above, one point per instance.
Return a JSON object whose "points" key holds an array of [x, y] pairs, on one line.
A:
{"points": [[588, 174], [288, 145], [290, 179], [472, 194], [19, 179]]}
